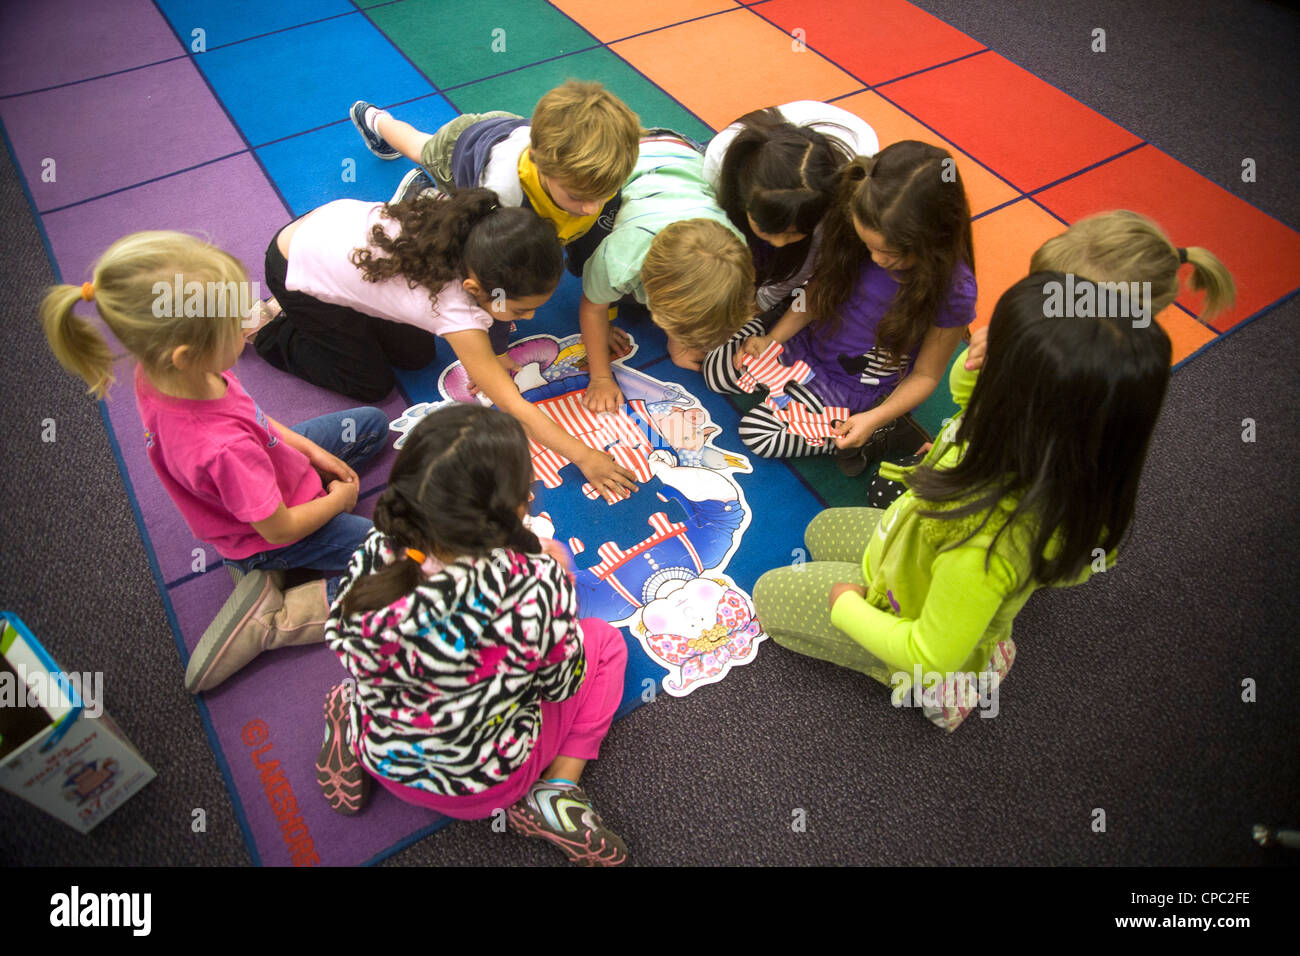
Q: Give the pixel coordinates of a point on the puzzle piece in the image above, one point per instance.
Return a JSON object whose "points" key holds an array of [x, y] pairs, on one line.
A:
{"points": [[768, 370], [411, 417], [813, 427]]}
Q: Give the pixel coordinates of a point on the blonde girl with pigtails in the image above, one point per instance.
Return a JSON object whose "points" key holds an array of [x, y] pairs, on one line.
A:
{"points": [[265, 496]]}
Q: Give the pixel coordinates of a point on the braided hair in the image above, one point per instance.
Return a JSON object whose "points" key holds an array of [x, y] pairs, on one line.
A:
{"points": [[455, 488]]}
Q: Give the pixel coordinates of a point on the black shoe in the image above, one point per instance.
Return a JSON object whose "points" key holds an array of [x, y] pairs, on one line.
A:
{"points": [[898, 439], [413, 185], [374, 142]]}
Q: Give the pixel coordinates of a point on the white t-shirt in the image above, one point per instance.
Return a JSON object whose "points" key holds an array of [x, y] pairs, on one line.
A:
{"points": [[320, 264], [831, 121], [501, 172]]}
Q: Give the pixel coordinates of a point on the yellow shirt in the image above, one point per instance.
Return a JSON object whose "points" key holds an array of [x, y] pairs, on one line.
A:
{"points": [[569, 226]]}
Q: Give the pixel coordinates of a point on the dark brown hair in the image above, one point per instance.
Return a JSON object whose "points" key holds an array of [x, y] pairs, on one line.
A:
{"points": [[784, 176], [444, 239], [1061, 417], [455, 488], [912, 194]]}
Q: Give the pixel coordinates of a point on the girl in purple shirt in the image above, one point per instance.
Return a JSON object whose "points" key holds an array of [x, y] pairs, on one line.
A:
{"points": [[891, 295]]}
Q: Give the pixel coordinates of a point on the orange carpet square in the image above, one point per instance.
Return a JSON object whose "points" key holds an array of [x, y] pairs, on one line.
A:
{"points": [[1019, 126], [876, 41], [1262, 254], [723, 67], [983, 189]]}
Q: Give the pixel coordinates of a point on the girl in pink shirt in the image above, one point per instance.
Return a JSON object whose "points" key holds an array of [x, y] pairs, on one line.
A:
{"points": [[266, 497]]}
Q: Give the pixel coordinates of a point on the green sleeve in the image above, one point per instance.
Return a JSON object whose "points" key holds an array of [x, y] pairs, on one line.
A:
{"points": [[961, 382], [960, 605], [611, 274]]}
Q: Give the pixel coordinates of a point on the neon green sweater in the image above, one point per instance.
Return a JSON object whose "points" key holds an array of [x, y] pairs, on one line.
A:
{"points": [[927, 602]]}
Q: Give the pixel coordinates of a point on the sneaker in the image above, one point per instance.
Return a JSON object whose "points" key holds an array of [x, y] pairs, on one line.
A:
{"points": [[901, 437], [374, 142], [959, 696], [342, 779], [413, 185], [562, 814]]}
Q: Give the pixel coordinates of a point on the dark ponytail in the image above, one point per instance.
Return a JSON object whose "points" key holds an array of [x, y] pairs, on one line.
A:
{"points": [[442, 239], [455, 488]]}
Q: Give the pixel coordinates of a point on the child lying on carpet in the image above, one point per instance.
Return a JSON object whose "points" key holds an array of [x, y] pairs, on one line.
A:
{"points": [[673, 250], [252, 488], [934, 583], [477, 688], [362, 285], [774, 172], [566, 164], [893, 291]]}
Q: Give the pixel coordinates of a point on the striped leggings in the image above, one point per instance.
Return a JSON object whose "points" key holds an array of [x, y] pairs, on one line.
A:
{"points": [[760, 429]]}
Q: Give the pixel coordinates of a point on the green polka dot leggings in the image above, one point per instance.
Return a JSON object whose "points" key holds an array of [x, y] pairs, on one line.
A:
{"points": [[793, 603]]}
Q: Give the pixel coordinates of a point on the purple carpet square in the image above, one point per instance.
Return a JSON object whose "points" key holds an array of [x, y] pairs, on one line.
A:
{"points": [[62, 41], [269, 721], [109, 134]]}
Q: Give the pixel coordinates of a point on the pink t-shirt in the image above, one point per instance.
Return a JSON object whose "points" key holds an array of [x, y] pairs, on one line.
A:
{"points": [[320, 264], [222, 465]]}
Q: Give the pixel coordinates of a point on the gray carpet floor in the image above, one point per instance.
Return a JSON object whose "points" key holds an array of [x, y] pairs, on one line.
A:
{"points": [[1126, 695]]}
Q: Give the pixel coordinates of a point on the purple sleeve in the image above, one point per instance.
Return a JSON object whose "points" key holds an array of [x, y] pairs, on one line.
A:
{"points": [[959, 308]]}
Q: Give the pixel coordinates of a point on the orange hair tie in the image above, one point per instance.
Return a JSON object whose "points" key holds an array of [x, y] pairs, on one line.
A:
{"points": [[88, 291], [416, 556]]}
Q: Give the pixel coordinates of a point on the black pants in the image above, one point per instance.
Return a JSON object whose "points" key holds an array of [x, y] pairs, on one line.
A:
{"points": [[334, 346]]}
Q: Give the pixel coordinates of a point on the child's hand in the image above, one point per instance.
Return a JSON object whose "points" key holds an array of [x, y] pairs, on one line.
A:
{"points": [[754, 346], [855, 432], [603, 395], [346, 493], [620, 343], [979, 346], [328, 465], [509, 364], [838, 589], [606, 475]]}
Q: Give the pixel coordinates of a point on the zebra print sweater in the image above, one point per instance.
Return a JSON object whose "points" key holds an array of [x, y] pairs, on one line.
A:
{"points": [[450, 678]]}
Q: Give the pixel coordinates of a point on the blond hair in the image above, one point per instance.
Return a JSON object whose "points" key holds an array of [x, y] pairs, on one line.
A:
{"points": [[1124, 246], [699, 282], [128, 281], [585, 137]]}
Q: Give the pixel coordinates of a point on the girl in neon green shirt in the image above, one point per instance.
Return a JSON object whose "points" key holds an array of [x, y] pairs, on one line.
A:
{"points": [[1033, 486]]}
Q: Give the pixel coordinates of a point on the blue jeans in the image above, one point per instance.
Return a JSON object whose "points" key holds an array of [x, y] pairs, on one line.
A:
{"points": [[330, 547]]}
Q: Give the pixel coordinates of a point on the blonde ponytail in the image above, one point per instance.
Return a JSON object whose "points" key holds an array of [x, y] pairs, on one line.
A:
{"points": [[1125, 246], [77, 344], [143, 290], [1212, 277]]}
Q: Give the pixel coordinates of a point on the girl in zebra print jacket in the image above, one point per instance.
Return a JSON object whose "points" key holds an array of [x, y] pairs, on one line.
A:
{"points": [[476, 690]]}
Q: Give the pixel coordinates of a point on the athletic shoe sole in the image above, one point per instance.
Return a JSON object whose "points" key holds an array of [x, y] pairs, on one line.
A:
{"points": [[249, 592], [413, 185], [585, 847], [342, 779]]}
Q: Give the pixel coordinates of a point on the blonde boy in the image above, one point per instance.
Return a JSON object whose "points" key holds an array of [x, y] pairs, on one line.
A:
{"points": [[566, 164], [673, 250]]}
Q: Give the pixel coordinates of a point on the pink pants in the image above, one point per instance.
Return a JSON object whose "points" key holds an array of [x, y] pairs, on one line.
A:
{"points": [[570, 728]]}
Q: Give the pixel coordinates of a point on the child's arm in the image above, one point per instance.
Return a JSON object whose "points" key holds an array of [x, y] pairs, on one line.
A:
{"points": [[961, 603], [603, 394], [785, 329], [936, 349], [287, 525], [475, 353], [324, 463]]}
